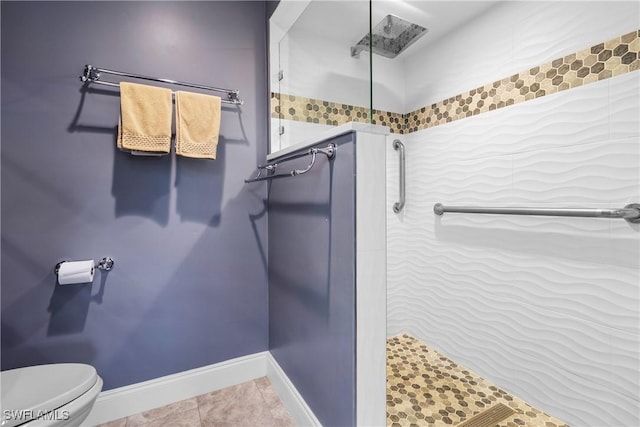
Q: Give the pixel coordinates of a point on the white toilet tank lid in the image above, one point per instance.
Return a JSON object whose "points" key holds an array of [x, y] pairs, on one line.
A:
{"points": [[43, 388]]}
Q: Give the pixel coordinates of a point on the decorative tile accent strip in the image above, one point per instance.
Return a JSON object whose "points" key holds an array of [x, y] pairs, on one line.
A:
{"points": [[317, 111], [602, 61], [426, 388], [608, 59]]}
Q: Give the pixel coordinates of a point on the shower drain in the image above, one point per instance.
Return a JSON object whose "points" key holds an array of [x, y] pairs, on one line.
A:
{"points": [[489, 417]]}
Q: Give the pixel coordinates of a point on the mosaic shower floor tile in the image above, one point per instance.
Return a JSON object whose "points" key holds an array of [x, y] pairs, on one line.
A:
{"points": [[425, 388]]}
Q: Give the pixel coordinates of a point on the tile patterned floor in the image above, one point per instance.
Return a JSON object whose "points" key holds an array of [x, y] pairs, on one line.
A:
{"points": [[425, 388], [251, 404]]}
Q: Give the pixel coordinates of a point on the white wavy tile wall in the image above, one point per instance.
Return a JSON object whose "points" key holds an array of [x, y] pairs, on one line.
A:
{"points": [[508, 38], [572, 26], [546, 307]]}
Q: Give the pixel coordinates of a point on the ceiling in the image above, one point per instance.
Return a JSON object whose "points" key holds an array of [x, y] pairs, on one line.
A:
{"points": [[347, 21]]}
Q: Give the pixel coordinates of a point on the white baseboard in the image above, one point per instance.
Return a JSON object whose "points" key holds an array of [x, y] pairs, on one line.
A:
{"points": [[135, 398], [132, 399], [291, 398]]}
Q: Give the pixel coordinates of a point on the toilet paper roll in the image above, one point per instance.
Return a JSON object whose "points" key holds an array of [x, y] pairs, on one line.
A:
{"points": [[75, 272]]}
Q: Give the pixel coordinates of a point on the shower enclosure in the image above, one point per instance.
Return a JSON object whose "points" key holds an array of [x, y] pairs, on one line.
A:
{"points": [[315, 86], [497, 105]]}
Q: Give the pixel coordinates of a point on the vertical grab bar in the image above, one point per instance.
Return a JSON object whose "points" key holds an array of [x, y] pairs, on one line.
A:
{"points": [[399, 146]]}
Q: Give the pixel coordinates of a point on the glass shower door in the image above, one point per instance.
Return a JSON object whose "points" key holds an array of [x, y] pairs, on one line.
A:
{"points": [[316, 83]]}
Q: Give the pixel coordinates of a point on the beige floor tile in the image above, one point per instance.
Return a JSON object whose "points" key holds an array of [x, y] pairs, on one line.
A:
{"points": [[278, 411], [225, 394], [268, 392], [250, 404], [171, 410], [282, 417], [263, 382], [188, 418], [120, 422], [240, 405]]}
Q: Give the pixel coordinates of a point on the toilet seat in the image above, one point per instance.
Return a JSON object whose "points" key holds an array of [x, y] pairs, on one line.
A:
{"points": [[36, 390]]}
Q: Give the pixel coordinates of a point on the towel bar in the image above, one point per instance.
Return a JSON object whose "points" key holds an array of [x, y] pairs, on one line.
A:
{"points": [[329, 151], [92, 74]]}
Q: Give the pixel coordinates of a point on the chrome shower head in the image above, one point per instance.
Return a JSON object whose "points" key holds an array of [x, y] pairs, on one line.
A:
{"points": [[390, 37]]}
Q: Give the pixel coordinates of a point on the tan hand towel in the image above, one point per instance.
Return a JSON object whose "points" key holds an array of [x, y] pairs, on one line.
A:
{"points": [[197, 124], [145, 118]]}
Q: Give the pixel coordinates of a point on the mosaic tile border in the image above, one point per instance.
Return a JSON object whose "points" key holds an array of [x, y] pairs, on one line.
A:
{"points": [[309, 110], [614, 57], [602, 61]]}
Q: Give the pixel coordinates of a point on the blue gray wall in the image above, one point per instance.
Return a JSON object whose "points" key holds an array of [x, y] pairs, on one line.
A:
{"points": [[312, 282], [189, 287]]}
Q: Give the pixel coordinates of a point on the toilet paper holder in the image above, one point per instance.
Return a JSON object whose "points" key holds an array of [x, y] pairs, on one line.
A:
{"points": [[104, 264]]}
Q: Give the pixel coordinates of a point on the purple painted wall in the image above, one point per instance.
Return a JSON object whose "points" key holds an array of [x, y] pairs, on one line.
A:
{"points": [[312, 281], [189, 287]]}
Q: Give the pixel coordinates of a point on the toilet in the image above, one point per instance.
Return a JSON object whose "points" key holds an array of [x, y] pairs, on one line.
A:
{"points": [[60, 394]]}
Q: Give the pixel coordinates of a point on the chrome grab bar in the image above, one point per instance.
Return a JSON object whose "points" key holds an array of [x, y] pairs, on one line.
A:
{"points": [[329, 151], [631, 212], [399, 146]]}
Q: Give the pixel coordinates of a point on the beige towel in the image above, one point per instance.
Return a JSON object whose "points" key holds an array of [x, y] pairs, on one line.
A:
{"points": [[197, 124], [145, 118]]}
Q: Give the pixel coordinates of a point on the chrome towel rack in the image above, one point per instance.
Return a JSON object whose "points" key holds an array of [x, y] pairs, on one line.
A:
{"points": [[329, 151], [631, 212], [399, 146], [92, 74]]}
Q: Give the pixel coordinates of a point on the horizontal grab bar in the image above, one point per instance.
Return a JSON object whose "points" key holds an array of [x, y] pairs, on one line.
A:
{"points": [[630, 213]]}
